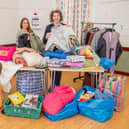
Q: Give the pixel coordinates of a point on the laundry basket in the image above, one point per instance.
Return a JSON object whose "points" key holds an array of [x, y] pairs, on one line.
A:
{"points": [[30, 82]]}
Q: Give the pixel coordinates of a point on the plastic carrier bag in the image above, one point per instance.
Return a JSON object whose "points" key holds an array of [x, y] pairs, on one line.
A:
{"points": [[98, 109], [117, 86], [91, 57], [106, 63], [69, 110]]}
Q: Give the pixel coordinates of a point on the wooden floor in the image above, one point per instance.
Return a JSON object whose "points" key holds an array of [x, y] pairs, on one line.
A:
{"points": [[120, 120]]}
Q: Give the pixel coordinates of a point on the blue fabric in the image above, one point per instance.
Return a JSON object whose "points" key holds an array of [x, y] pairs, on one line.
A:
{"points": [[98, 109], [56, 54], [106, 63], [69, 110], [105, 94]]}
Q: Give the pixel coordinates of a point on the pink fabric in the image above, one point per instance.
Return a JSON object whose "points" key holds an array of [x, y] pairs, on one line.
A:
{"points": [[55, 101], [20, 60], [6, 53], [111, 45], [74, 64]]}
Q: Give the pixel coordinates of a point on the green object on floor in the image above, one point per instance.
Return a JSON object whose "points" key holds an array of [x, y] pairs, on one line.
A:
{"points": [[50, 89], [12, 110]]}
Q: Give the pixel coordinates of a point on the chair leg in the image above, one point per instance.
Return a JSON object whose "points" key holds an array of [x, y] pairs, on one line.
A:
{"points": [[79, 77]]}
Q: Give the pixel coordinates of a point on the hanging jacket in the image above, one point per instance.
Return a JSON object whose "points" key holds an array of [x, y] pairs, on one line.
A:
{"points": [[110, 49], [96, 38], [87, 36], [91, 37]]}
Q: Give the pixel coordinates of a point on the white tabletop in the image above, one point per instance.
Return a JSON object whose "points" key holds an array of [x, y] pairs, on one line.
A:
{"points": [[31, 69], [68, 69]]}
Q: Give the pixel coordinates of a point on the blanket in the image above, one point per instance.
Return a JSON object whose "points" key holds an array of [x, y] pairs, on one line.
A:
{"points": [[7, 72]]}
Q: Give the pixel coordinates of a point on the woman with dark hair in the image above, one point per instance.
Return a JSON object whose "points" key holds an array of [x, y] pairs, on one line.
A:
{"points": [[25, 28], [56, 18], [27, 38]]}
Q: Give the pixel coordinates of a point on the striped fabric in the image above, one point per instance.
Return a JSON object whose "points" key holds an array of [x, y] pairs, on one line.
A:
{"points": [[74, 12], [116, 86], [30, 82]]}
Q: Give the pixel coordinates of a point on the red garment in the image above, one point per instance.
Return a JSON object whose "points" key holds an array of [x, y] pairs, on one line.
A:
{"points": [[91, 37], [55, 101]]}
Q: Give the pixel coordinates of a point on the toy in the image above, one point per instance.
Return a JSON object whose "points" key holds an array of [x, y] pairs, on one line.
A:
{"points": [[16, 98], [86, 95], [86, 52]]}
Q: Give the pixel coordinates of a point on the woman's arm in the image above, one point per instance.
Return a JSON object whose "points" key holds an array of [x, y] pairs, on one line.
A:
{"points": [[47, 31]]}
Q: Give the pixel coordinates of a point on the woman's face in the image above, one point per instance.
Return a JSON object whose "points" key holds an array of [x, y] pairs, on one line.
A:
{"points": [[25, 25], [56, 18]]}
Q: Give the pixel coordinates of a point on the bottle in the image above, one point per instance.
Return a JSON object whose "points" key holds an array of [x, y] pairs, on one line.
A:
{"points": [[35, 21]]}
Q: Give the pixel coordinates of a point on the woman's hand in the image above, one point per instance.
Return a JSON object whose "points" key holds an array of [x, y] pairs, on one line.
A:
{"points": [[48, 35]]}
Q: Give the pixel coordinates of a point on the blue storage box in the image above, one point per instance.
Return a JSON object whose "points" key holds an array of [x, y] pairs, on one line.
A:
{"points": [[69, 110], [98, 109]]}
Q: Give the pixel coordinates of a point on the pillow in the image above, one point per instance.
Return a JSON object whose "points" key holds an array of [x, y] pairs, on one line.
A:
{"points": [[6, 53], [32, 58]]}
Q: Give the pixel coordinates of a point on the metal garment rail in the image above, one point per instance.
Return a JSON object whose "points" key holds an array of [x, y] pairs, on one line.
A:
{"points": [[82, 28]]}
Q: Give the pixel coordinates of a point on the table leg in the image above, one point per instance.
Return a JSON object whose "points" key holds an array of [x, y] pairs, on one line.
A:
{"points": [[96, 79], [54, 74], [43, 82], [92, 80], [53, 79], [51, 75], [100, 75], [46, 82]]}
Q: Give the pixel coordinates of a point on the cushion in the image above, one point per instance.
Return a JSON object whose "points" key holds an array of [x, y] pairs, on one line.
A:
{"points": [[6, 53]]}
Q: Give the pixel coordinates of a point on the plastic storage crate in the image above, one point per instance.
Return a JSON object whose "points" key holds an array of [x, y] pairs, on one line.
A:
{"points": [[23, 111]]}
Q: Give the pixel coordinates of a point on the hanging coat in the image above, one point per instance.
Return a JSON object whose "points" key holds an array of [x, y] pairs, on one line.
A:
{"points": [[110, 49]]}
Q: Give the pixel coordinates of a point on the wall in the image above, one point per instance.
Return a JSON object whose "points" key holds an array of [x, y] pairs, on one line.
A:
{"points": [[112, 11], [42, 7], [11, 12], [8, 21]]}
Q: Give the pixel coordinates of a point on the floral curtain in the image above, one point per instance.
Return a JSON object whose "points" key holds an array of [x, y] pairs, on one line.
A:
{"points": [[74, 12]]}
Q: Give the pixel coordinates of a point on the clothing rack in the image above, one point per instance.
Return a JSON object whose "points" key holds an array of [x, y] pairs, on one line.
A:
{"points": [[95, 23], [82, 27]]}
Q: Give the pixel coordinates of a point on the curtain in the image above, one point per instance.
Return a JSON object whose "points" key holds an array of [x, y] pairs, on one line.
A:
{"points": [[74, 12]]}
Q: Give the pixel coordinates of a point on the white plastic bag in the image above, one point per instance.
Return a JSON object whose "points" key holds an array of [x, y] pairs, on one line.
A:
{"points": [[8, 71]]}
